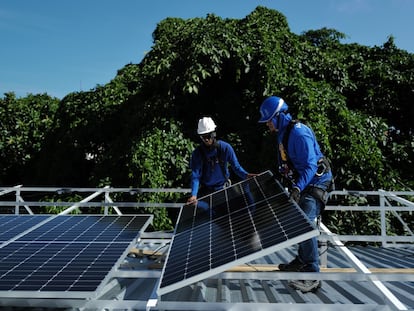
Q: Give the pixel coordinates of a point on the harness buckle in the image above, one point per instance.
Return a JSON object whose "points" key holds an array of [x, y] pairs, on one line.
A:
{"points": [[323, 167]]}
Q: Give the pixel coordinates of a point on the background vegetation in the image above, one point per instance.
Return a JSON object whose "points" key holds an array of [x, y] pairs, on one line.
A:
{"points": [[139, 129]]}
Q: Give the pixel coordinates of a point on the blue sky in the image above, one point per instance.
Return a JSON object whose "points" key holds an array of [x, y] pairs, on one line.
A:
{"points": [[62, 46]]}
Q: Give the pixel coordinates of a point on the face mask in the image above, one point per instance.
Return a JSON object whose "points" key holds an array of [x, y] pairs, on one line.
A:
{"points": [[275, 121]]}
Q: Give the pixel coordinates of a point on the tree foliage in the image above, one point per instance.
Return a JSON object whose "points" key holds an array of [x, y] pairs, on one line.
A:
{"points": [[138, 128], [24, 125], [159, 159]]}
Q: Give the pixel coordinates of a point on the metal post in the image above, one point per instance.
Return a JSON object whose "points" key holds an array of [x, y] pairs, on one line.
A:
{"points": [[323, 252], [17, 206], [383, 220]]}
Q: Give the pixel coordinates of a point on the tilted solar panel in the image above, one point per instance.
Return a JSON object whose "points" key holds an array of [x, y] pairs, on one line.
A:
{"points": [[67, 256], [244, 222]]}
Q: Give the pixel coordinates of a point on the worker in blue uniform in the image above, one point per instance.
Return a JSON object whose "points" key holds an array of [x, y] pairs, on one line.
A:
{"points": [[209, 162], [302, 162]]}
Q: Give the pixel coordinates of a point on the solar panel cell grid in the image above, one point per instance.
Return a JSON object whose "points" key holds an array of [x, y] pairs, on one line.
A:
{"points": [[12, 225], [87, 228], [71, 254], [38, 266], [231, 226]]}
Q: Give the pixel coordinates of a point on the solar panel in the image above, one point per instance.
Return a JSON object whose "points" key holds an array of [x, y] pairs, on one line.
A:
{"points": [[232, 226], [12, 225], [91, 228], [67, 256]]}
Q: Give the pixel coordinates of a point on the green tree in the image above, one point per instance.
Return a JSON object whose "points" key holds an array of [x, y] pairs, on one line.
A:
{"points": [[24, 125], [160, 159], [357, 99]]}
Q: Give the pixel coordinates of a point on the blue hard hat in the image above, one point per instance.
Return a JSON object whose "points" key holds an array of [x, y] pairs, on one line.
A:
{"points": [[270, 107]]}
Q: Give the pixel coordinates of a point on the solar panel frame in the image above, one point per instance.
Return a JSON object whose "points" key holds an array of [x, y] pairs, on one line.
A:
{"points": [[250, 223], [53, 266]]}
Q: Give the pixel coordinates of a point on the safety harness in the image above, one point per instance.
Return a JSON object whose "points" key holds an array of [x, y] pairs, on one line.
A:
{"points": [[323, 163], [212, 161], [291, 173]]}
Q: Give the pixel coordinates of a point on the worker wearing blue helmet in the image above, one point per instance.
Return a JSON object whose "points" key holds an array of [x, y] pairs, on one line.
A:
{"points": [[302, 162]]}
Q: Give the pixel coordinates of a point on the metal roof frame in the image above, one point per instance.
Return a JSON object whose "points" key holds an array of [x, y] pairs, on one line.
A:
{"points": [[123, 279]]}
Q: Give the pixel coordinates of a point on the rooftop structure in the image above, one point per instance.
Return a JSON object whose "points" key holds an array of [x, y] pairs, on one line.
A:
{"points": [[377, 276]]}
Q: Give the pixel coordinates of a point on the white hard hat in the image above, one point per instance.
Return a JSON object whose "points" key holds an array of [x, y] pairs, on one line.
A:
{"points": [[206, 125]]}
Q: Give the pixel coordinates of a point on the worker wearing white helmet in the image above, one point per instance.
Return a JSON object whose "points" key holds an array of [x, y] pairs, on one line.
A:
{"points": [[209, 162]]}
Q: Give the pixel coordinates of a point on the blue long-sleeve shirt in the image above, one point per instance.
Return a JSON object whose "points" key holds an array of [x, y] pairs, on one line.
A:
{"points": [[304, 153], [206, 170]]}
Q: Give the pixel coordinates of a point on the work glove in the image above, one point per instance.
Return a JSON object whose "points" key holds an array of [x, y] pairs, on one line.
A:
{"points": [[295, 194], [192, 200]]}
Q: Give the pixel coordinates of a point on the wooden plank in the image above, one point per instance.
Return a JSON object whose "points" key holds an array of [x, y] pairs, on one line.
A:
{"points": [[144, 252]]}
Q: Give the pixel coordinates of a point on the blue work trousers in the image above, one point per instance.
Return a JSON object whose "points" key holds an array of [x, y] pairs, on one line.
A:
{"points": [[308, 250]]}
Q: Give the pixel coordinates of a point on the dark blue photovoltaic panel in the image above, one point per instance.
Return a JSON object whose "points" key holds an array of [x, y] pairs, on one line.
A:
{"points": [[13, 225], [57, 267], [88, 228], [66, 254], [246, 221]]}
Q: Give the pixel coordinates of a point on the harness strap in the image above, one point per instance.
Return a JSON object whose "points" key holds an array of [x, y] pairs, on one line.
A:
{"points": [[219, 159], [323, 163], [323, 166], [287, 134], [284, 159]]}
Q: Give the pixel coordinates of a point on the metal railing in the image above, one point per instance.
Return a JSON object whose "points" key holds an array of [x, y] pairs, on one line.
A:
{"points": [[106, 194], [387, 203]]}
